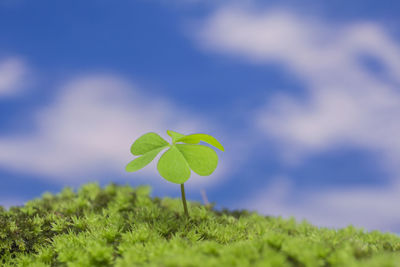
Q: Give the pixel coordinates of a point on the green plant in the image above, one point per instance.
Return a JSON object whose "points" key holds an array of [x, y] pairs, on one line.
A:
{"points": [[123, 226], [184, 154]]}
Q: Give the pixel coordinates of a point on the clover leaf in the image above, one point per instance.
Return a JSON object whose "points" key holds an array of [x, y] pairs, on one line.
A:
{"points": [[174, 135], [196, 138], [176, 163], [143, 160], [146, 143], [201, 159], [173, 166]]}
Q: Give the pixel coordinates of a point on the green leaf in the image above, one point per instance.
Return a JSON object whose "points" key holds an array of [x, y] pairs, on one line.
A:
{"points": [[146, 143], [142, 161], [173, 166], [196, 138], [201, 159], [174, 135]]}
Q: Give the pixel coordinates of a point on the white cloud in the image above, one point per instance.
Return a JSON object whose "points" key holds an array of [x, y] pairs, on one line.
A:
{"points": [[86, 132], [13, 75], [346, 104], [371, 208]]}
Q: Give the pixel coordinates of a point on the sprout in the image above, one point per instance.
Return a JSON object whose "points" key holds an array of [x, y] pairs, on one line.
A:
{"points": [[183, 155]]}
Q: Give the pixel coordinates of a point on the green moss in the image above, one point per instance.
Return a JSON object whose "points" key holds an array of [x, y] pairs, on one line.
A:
{"points": [[123, 226]]}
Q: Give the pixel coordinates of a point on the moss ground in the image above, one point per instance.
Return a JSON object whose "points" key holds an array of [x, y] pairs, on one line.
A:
{"points": [[123, 226]]}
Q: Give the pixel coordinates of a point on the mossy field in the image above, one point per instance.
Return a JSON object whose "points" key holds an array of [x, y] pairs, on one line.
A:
{"points": [[124, 226]]}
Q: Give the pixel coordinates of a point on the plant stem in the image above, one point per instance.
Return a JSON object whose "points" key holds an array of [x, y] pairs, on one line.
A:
{"points": [[184, 200]]}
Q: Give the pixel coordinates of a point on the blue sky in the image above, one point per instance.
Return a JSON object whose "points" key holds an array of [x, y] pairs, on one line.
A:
{"points": [[305, 99]]}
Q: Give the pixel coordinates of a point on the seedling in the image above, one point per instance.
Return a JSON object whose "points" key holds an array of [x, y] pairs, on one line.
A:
{"points": [[183, 155]]}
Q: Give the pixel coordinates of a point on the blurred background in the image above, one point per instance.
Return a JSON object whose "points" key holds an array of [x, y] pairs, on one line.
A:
{"points": [[305, 97]]}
